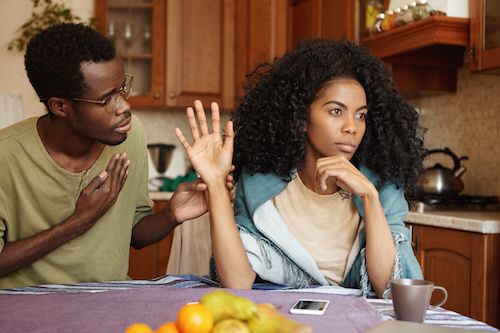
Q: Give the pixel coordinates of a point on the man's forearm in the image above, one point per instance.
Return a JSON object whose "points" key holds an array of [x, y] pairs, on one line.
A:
{"points": [[21, 253], [153, 228]]}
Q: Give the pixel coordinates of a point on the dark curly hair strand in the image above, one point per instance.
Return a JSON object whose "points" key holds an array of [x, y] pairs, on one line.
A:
{"points": [[270, 122]]}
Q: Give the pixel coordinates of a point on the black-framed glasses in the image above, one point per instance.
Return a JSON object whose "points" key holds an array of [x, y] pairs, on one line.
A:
{"points": [[112, 102]]}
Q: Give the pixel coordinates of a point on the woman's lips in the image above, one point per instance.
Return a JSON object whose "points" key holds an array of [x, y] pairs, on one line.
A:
{"points": [[346, 147]]}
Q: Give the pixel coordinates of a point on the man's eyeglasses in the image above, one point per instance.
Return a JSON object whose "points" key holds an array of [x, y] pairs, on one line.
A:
{"points": [[112, 102]]}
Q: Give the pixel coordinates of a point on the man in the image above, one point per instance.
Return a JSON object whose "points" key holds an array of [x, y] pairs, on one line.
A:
{"points": [[73, 185]]}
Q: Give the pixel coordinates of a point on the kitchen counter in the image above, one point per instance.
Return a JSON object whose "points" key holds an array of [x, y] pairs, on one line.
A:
{"points": [[484, 222], [160, 195]]}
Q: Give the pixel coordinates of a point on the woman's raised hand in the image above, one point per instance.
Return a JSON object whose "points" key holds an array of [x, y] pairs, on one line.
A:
{"points": [[210, 154]]}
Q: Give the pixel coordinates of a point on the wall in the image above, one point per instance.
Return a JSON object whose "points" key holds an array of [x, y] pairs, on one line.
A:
{"points": [[160, 124], [468, 123], [13, 13]]}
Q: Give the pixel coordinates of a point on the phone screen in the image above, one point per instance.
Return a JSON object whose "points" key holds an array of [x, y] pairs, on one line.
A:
{"points": [[310, 306]]}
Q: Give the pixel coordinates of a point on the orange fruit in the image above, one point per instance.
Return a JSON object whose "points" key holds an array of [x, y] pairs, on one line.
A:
{"points": [[138, 328], [194, 318], [169, 327]]}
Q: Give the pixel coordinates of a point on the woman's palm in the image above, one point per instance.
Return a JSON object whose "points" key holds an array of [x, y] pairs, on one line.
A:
{"points": [[210, 157], [210, 154]]}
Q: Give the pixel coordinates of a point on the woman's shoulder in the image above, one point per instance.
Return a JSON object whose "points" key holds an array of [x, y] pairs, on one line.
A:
{"points": [[386, 187], [390, 194], [257, 188]]}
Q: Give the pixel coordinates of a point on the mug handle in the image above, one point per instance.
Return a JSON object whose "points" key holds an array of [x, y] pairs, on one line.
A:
{"points": [[445, 296]]}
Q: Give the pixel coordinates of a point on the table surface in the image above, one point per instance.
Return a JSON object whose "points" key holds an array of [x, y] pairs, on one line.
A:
{"points": [[110, 307]]}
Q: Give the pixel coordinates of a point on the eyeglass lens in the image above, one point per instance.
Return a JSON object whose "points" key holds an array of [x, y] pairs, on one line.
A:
{"points": [[124, 92]]}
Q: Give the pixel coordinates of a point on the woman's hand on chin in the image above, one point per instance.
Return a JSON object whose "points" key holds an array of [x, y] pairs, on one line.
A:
{"points": [[344, 174]]}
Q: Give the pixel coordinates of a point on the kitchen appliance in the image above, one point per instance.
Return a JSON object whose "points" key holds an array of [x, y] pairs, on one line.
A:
{"points": [[164, 161], [440, 181], [460, 202], [160, 154], [440, 187]]}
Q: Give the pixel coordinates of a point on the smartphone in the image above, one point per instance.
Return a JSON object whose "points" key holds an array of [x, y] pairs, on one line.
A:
{"points": [[310, 306]]}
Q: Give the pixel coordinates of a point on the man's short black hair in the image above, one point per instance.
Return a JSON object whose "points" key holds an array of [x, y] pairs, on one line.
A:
{"points": [[53, 58]]}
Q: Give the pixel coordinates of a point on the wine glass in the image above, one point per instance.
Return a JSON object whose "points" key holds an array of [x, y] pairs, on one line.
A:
{"points": [[147, 38], [112, 32], [128, 34]]}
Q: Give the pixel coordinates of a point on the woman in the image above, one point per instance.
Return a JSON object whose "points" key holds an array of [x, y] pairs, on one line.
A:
{"points": [[325, 149]]}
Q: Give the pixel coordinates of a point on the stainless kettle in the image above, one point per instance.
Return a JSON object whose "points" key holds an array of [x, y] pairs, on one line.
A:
{"points": [[441, 181]]}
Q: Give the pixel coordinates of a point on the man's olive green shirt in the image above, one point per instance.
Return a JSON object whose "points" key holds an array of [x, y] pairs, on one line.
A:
{"points": [[37, 194]]}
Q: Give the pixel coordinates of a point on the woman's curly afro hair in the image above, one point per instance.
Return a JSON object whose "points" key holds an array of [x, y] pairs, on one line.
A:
{"points": [[53, 58], [270, 122]]}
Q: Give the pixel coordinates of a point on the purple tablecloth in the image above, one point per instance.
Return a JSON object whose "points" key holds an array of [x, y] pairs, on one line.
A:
{"points": [[112, 311]]}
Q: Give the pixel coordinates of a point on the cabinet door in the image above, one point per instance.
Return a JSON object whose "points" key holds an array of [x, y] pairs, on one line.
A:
{"points": [[446, 258], [261, 35], [151, 261], [466, 264], [485, 34], [137, 29], [332, 19], [200, 52]]}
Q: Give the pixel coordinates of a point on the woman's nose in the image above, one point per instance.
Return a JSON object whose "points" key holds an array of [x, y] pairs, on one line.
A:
{"points": [[349, 125]]}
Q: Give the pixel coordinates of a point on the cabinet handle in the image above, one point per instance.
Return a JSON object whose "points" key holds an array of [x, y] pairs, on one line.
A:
{"points": [[472, 52], [171, 95], [156, 95]]}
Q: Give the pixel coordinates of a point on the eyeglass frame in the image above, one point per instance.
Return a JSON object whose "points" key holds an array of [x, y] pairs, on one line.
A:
{"points": [[129, 79]]}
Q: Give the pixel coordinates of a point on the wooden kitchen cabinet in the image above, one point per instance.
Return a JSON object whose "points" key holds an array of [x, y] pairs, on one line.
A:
{"points": [[485, 35], [137, 29], [192, 49], [261, 36], [423, 56], [466, 264], [151, 261], [331, 19], [200, 52]]}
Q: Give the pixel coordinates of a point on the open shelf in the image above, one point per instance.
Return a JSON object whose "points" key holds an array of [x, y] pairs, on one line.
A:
{"points": [[434, 30], [423, 56]]}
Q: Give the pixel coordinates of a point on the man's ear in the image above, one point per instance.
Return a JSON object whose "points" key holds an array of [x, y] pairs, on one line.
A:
{"points": [[58, 106]]}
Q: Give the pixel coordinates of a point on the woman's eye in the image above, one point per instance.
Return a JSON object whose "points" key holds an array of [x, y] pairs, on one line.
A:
{"points": [[361, 116], [335, 112]]}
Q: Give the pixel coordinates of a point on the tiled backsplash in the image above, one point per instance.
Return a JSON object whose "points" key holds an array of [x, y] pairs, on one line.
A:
{"points": [[467, 122], [159, 125]]}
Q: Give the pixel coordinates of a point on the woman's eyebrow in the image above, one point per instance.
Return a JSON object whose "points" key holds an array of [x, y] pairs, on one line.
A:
{"points": [[342, 105]]}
